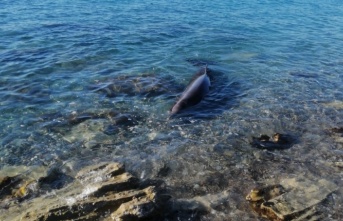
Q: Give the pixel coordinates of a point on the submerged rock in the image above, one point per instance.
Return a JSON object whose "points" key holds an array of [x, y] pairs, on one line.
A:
{"points": [[25, 183], [148, 85], [337, 134], [100, 128], [58, 122], [8, 185], [293, 199], [278, 142], [101, 192], [337, 130], [201, 204], [334, 104]]}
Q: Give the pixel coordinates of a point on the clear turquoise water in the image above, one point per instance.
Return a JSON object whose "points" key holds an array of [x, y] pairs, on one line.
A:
{"points": [[278, 68]]}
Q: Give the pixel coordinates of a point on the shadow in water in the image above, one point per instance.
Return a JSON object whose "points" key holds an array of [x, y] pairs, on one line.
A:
{"points": [[223, 95]]}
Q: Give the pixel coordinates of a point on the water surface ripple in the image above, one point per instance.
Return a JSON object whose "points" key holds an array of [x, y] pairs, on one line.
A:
{"points": [[83, 82]]}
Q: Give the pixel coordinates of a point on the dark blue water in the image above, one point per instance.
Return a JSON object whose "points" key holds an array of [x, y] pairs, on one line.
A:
{"points": [[95, 80]]}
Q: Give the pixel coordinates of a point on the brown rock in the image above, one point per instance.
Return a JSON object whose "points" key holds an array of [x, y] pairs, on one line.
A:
{"points": [[101, 192], [294, 199], [8, 185]]}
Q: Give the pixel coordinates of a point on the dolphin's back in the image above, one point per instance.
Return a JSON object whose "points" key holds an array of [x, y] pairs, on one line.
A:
{"points": [[194, 92]]}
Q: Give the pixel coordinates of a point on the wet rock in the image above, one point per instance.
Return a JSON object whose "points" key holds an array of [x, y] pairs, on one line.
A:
{"points": [[164, 171], [138, 208], [337, 134], [193, 208], [90, 130], [55, 179], [7, 185], [26, 189], [292, 199], [24, 182], [338, 164], [266, 193], [277, 142], [125, 120], [65, 123], [74, 118], [116, 117], [100, 130], [13, 186], [100, 192], [338, 130], [334, 104], [111, 129]]}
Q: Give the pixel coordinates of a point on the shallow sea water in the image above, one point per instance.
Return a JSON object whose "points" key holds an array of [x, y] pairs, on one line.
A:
{"points": [[277, 67]]}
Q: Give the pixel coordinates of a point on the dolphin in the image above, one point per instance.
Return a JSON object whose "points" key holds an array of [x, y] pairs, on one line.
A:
{"points": [[194, 93]]}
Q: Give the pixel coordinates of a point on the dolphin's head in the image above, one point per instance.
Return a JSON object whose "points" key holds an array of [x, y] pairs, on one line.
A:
{"points": [[177, 107]]}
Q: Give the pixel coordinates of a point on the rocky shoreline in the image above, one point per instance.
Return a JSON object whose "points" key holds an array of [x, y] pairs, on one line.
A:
{"points": [[100, 192], [107, 192]]}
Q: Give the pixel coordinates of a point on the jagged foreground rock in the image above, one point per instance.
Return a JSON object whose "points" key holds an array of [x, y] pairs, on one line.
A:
{"points": [[293, 199], [103, 192]]}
